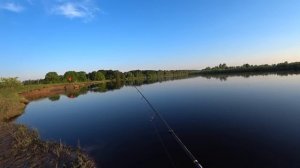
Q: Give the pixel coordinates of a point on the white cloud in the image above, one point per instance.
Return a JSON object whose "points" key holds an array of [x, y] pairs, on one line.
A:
{"points": [[70, 10], [84, 9], [10, 6]]}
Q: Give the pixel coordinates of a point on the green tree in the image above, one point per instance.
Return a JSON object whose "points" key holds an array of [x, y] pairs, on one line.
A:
{"points": [[70, 76], [99, 76], [81, 76], [51, 77], [109, 74], [96, 76], [129, 75]]}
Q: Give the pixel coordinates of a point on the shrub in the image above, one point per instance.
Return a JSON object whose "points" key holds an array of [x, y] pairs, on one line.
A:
{"points": [[9, 82]]}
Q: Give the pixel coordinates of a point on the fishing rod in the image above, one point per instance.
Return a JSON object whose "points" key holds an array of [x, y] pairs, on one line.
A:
{"points": [[171, 131], [162, 142]]}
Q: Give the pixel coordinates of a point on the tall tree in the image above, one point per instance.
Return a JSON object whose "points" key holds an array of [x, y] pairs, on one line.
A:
{"points": [[70, 76], [81, 76], [51, 77], [96, 76], [99, 76]]}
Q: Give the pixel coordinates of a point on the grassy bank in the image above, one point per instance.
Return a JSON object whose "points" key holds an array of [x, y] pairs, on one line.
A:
{"points": [[21, 147], [13, 100], [11, 103]]}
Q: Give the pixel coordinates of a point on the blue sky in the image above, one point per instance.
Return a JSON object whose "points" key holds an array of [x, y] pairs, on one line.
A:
{"points": [[38, 36]]}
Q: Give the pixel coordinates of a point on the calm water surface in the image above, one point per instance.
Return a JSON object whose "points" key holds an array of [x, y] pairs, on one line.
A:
{"points": [[237, 123]]}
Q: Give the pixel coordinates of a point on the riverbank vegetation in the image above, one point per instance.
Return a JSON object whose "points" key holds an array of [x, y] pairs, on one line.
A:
{"points": [[14, 95], [11, 103], [223, 68], [110, 75], [21, 147], [115, 75]]}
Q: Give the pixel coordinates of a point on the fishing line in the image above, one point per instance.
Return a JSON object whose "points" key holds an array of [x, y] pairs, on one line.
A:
{"points": [[171, 131], [152, 120], [162, 142]]}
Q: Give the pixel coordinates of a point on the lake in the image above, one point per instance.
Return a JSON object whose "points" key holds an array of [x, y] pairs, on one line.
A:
{"points": [[225, 121]]}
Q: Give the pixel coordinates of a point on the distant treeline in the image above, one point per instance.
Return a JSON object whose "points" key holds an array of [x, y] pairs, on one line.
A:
{"points": [[225, 76], [223, 68], [160, 75], [101, 75]]}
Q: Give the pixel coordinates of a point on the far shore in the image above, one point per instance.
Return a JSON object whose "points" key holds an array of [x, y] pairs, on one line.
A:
{"points": [[13, 101]]}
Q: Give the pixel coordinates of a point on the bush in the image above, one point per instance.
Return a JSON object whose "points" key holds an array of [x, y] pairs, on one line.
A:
{"points": [[9, 82]]}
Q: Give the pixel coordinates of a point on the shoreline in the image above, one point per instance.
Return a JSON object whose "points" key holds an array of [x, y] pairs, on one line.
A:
{"points": [[21, 146], [13, 101]]}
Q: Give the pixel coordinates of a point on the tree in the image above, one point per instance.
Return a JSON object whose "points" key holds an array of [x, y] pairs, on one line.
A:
{"points": [[117, 75], [246, 65], [109, 74], [99, 76], [129, 75], [285, 66], [222, 66], [51, 77], [70, 76], [138, 74], [81, 76], [96, 76]]}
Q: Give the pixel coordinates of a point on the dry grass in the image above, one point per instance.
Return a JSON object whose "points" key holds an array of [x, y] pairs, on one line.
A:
{"points": [[12, 102], [21, 147]]}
